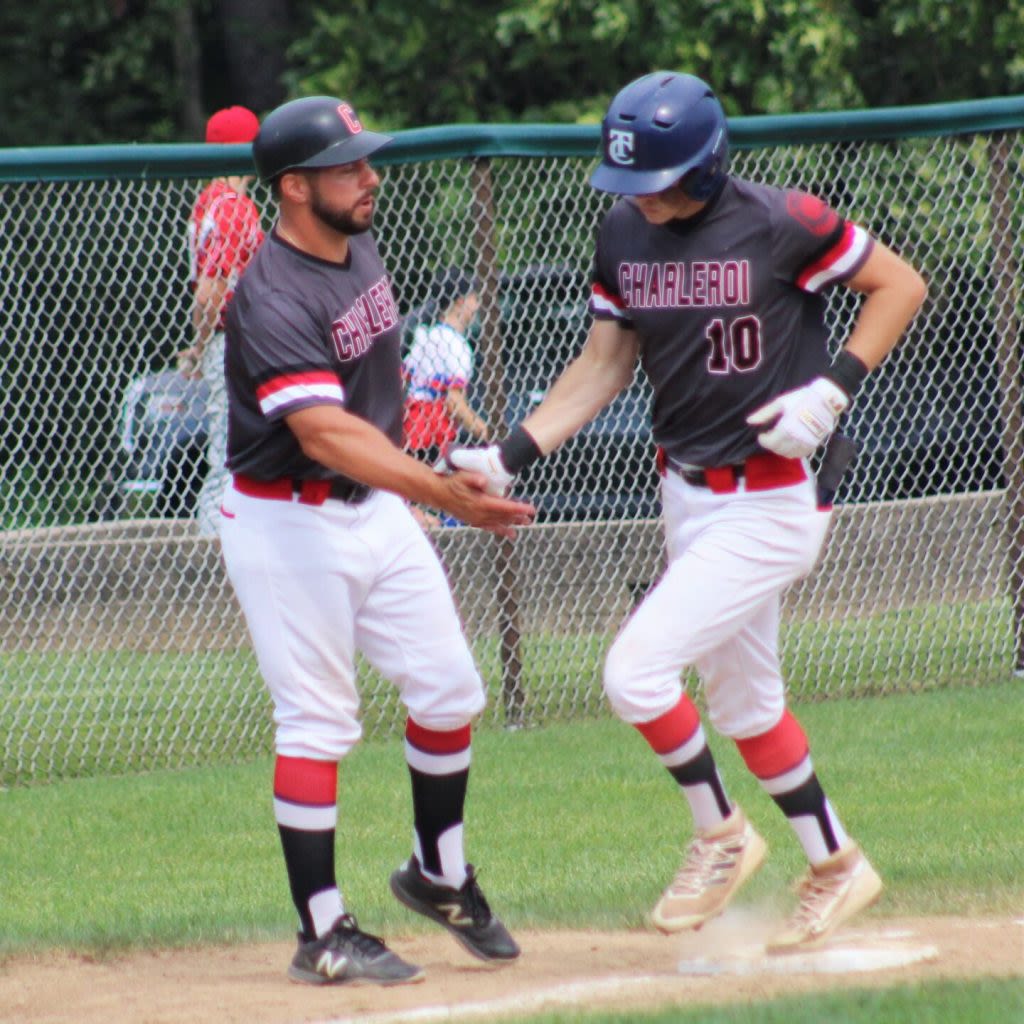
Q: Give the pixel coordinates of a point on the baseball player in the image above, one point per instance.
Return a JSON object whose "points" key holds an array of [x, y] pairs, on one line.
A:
{"points": [[716, 284], [323, 553], [223, 234]]}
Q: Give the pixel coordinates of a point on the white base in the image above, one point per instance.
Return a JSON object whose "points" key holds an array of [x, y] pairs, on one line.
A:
{"points": [[848, 953]]}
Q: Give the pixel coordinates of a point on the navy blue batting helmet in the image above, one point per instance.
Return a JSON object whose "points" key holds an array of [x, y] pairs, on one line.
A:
{"points": [[661, 129], [315, 131]]}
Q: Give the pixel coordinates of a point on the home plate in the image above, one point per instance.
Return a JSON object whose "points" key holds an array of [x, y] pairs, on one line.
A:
{"points": [[831, 960]]}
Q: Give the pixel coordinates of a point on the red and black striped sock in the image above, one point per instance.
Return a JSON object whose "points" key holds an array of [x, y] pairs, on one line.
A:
{"points": [[439, 769], [306, 811], [781, 760], [677, 737]]}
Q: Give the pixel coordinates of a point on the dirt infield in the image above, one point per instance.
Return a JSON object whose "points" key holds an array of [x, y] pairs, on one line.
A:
{"points": [[558, 969]]}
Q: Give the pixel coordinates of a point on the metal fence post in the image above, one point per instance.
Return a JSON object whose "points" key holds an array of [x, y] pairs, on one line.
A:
{"points": [[1008, 328], [492, 374]]}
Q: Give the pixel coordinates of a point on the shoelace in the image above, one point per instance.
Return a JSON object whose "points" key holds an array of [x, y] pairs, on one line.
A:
{"points": [[346, 930], [703, 858], [815, 894], [475, 901]]}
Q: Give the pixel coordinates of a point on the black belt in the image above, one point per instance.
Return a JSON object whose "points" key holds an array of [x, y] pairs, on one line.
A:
{"points": [[699, 477]]}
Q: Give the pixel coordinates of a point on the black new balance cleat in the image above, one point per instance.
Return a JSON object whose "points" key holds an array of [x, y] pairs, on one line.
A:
{"points": [[347, 956], [464, 911]]}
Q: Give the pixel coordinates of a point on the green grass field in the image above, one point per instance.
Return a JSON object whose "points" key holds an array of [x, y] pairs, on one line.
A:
{"points": [[572, 824], [78, 714], [982, 1002]]}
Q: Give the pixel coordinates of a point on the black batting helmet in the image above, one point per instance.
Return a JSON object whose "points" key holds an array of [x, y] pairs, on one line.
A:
{"points": [[316, 131], [661, 129]]}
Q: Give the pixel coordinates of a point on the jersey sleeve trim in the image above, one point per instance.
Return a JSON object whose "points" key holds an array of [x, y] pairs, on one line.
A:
{"points": [[289, 392], [606, 306], [838, 263]]}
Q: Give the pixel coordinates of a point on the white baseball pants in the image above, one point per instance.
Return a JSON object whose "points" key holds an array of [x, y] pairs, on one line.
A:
{"points": [[319, 583], [217, 477], [730, 557]]}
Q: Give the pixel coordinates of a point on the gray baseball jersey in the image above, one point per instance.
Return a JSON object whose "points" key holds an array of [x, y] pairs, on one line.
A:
{"points": [[302, 331], [727, 306]]}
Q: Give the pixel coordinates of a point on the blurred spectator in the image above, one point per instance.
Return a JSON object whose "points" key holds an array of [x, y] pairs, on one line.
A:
{"points": [[223, 234], [439, 368]]}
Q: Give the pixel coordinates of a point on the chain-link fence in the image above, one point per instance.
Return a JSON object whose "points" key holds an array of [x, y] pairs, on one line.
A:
{"points": [[121, 647]]}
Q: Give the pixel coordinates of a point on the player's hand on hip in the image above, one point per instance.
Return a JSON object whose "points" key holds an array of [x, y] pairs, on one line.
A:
{"points": [[485, 461], [469, 498], [800, 421]]}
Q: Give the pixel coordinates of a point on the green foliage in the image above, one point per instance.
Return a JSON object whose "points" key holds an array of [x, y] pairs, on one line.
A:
{"points": [[562, 60], [108, 69], [928, 51], [403, 64], [88, 71]]}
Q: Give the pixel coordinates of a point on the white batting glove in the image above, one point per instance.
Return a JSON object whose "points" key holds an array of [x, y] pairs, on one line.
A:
{"points": [[487, 461], [800, 421]]}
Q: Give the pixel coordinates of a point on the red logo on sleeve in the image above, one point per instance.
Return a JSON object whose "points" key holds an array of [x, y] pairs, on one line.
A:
{"points": [[812, 213]]}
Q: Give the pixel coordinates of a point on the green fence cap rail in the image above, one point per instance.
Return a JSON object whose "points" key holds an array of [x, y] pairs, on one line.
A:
{"points": [[469, 141]]}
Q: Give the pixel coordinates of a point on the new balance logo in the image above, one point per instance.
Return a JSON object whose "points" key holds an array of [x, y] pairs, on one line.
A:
{"points": [[453, 912], [329, 965]]}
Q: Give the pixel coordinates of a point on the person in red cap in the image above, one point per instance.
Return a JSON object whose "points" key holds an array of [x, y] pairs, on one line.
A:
{"points": [[223, 234]]}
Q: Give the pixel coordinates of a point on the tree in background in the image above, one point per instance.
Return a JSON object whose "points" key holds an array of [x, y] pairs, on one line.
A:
{"points": [[151, 70], [761, 56], [442, 61], [95, 71], [931, 51]]}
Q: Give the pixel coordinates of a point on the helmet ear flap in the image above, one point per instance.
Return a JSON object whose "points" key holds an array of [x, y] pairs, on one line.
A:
{"points": [[703, 182], [707, 178]]}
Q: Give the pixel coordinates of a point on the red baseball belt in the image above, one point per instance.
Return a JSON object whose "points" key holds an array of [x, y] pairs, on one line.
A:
{"points": [[763, 471]]}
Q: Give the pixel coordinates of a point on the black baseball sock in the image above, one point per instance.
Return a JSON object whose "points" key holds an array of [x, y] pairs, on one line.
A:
{"points": [[701, 771], [781, 760], [677, 738], [305, 807], [808, 811], [439, 770], [309, 858]]}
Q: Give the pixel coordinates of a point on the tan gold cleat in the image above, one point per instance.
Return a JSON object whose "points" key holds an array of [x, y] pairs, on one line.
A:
{"points": [[718, 861], [830, 894]]}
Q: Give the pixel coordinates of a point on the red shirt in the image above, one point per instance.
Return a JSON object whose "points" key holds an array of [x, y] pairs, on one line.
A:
{"points": [[223, 234]]}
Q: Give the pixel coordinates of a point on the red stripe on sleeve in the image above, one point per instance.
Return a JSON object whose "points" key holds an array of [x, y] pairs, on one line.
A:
{"points": [[832, 256], [305, 781], [615, 300], [776, 751], [288, 380], [672, 729], [432, 742]]}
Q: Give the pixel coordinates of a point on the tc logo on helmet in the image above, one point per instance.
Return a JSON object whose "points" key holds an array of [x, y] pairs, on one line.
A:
{"points": [[621, 146]]}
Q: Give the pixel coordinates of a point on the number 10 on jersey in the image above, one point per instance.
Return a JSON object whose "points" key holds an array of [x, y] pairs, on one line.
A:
{"points": [[735, 345]]}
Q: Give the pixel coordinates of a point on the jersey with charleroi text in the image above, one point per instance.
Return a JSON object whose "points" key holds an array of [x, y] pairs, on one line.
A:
{"points": [[303, 331], [727, 305]]}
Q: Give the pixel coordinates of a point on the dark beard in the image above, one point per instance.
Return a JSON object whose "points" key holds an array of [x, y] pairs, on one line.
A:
{"points": [[343, 223]]}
